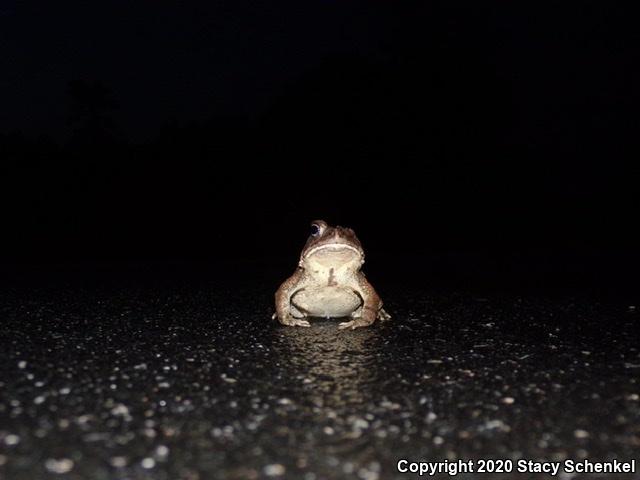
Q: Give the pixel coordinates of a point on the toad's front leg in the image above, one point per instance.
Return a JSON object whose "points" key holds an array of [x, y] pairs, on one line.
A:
{"points": [[283, 301], [370, 308]]}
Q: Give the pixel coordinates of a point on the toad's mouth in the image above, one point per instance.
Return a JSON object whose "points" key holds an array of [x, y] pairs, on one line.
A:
{"points": [[330, 248]]}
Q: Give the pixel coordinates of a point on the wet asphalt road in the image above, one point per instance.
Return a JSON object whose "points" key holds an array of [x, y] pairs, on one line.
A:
{"points": [[170, 380]]}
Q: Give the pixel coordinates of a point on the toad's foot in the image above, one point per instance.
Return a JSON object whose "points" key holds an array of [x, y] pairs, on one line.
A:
{"points": [[353, 324], [294, 322], [383, 315]]}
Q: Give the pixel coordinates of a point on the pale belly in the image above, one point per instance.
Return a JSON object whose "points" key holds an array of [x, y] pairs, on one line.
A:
{"points": [[327, 301]]}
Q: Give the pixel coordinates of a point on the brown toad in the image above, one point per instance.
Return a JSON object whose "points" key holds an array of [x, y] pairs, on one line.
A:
{"points": [[328, 282]]}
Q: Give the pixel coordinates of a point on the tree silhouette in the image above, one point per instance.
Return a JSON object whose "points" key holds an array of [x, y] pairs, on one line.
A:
{"points": [[91, 106]]}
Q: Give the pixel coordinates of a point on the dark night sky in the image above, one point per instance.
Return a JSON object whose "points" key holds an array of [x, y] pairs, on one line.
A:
{"points": [[170, 60], [185, 61], [219, 129]]}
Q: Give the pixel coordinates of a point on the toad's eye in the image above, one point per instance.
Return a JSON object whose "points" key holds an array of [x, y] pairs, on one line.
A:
{"points": [[315, 230]]}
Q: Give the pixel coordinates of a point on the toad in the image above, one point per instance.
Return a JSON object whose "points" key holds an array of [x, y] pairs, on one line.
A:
{"points": [[329, 283]]}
